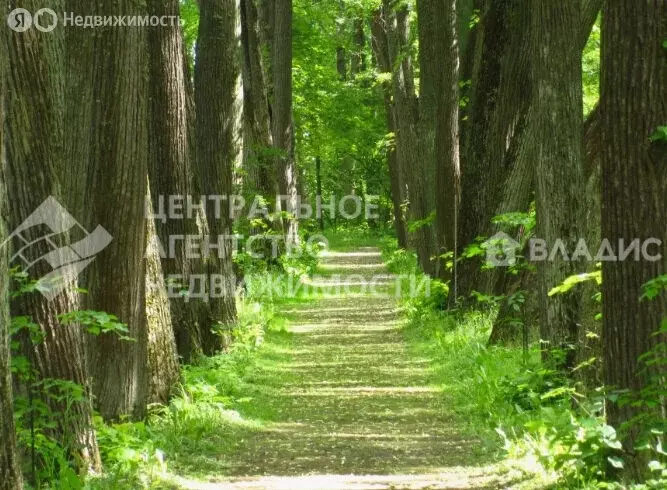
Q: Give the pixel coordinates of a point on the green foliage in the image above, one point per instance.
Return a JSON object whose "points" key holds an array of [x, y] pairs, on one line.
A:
{"points": [[549, 424], [512, 220], [341, 121], [130, 455], [414, 226], [96, 323], [302, 261], [572, 281], [660, 134], [653, 288], [201, 418], [42, 406], [591, 69], [401, 261], [189, 14]]}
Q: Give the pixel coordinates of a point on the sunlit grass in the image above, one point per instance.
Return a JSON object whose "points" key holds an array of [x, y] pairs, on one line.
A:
{"points": [[330, 388]]}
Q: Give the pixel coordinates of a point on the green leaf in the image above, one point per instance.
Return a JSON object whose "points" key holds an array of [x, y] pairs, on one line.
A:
{"points": [[616, 462], [660, 134], [572, 281]]}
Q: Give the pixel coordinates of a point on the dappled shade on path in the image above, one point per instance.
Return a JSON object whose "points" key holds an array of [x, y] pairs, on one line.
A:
{"points": [[351, 401]]}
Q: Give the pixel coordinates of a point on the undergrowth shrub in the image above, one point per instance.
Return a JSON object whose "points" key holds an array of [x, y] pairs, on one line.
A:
{"points": [[550, 425]]}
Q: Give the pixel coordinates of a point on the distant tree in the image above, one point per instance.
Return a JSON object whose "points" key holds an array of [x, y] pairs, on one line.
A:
{"points": [[440, 89], [416, 181], [256, 113], [380, 44], [633, 105], [358, 58], [282, 117]]}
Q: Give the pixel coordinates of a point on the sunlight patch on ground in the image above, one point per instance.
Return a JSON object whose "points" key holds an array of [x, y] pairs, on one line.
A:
{"points": [[455, 479], [337, 266], [310, 327], [351, 281], [363, 390], [372, 253], [345, 398], [348, 309], [307, 365]]}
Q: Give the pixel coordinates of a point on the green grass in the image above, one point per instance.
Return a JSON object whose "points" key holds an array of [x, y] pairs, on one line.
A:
{"points": [[273, 402], [354, 238]]}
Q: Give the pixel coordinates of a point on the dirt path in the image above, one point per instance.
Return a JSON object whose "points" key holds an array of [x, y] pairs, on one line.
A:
{"points": [[354, 409]]}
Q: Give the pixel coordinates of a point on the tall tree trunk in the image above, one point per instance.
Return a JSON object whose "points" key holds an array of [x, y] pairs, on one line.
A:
{"points": [[217, 79], [172, 170], [634, 183], [498, 148], [559, 180], [498, 107], [118, 184], [283, 127], [447, 163], [358, 62], [10, 471], [257, 121], [431, 90], [34, 152], [341, 63], [381, 51], [163, 368], [511, 118], [414, 187], [467, 35]]}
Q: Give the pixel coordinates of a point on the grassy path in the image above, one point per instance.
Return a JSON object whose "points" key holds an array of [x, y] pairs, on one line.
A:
{"points": [[350, 406]]}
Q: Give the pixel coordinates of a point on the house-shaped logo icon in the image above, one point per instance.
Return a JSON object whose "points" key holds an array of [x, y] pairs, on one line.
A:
{"points": [[501, 250], [50, 245]]}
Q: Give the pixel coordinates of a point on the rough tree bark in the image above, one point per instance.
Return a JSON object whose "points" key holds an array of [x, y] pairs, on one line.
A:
{"points": [[633, 104], [431, 90], [282, 121], [559, 180], [497, 143], [217, 79], [118, 183], [172, 166], [163, 368], [497, 114], [257, 120], [34, 152], [511, 119], [413, 169], [10, 472], [447, 162], [381, 51]]}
